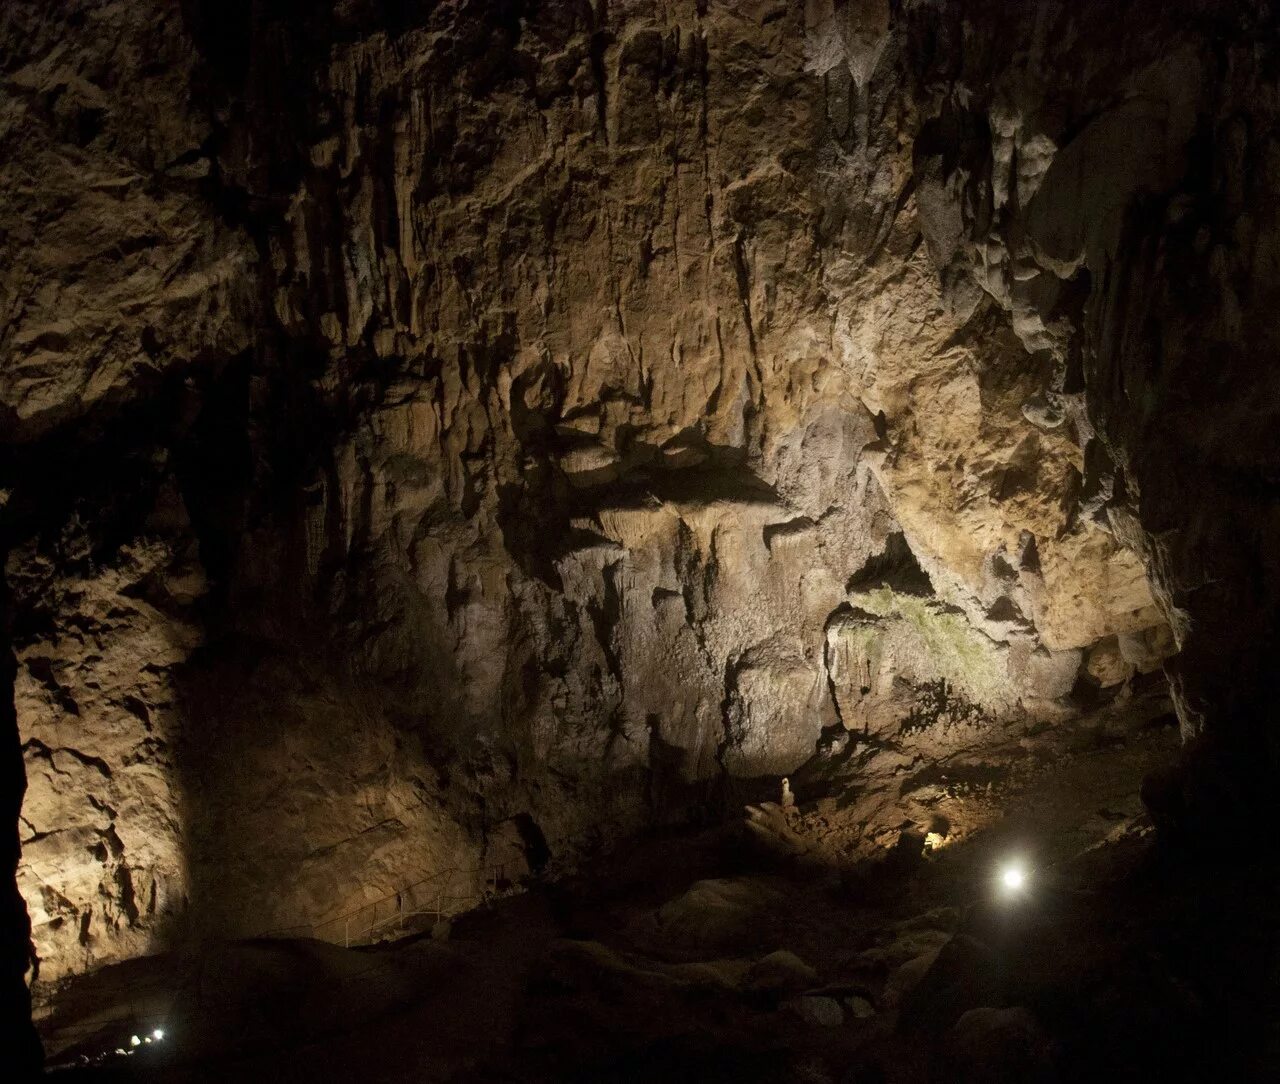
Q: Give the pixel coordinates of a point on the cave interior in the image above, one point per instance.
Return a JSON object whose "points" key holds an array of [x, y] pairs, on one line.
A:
{"points": [[640, 540]]}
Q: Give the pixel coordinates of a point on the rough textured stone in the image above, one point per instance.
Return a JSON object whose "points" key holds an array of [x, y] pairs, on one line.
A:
{"points": [[422, 419], [779, 971], [23, 1048], [1132, 263], [118, 268], [817, 1009], [102, 828], [989, 1044]]}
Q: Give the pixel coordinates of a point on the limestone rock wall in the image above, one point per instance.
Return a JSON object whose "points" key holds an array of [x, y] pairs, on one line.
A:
{"points": [[1115, 196], [576, 413], [116, 267], [102, 828]]}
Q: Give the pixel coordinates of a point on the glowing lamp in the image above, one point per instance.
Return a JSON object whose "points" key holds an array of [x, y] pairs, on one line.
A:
{"points": [[158, 1034], [134, 1041], [1013, 879]]}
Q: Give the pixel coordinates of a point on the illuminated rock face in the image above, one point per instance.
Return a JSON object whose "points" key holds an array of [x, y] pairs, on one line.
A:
{"points": [[1144, 267], [577, 415]]}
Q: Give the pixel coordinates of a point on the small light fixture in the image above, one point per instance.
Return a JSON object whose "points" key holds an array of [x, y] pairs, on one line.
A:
{"points": [[1013, 878], [134, 1041], [158, 1034]]}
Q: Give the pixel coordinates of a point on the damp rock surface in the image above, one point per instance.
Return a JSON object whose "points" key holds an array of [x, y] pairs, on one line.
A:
{"points": [[446, 442]]}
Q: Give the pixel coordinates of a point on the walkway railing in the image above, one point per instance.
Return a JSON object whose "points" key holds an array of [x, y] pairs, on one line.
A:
{"points": [[445, 893]]}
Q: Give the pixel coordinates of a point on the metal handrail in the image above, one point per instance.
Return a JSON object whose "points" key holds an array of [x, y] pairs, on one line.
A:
{"points": [[494, 874]]}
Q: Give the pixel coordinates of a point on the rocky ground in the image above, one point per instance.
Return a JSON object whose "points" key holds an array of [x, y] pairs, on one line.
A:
{"points": [[766, 955]]}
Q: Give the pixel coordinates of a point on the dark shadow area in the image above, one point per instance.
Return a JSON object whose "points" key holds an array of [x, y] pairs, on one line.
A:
{"points": [[708, 957]]}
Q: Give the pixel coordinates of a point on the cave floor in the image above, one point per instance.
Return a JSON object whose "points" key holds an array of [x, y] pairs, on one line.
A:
{"points": [[764, 955]]}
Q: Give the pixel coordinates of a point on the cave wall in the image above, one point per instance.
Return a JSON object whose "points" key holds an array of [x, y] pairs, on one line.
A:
{"points": [[1116, 196], [587, 413], [23, 1051]]}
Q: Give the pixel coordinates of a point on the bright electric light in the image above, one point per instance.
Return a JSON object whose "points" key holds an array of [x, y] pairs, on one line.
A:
{"points": [[134, 1041], [158, 1034], [1013, 878]]}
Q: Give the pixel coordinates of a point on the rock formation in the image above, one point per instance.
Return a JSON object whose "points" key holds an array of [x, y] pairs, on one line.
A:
{"points": [[420, 421]]}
